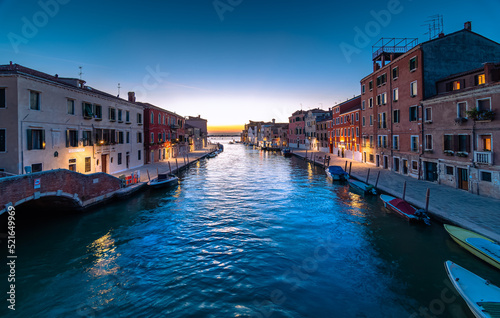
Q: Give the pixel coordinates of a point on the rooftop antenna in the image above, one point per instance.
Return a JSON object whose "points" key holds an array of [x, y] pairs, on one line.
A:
{"points": [[301, 106], [435, 25], [118, 90], [81, 72]]}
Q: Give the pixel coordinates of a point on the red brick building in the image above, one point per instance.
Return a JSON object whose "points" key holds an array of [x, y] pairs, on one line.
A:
{"points": [[404, 74], [346, 129], [296, 130], [461, 137]]}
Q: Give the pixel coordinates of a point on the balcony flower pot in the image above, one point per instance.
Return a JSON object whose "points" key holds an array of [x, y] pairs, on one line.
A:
{"points": [[462, 154], [480, 115]]}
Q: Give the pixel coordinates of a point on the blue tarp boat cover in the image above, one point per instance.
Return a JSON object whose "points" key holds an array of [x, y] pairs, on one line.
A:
{"points": [[336, 170]]}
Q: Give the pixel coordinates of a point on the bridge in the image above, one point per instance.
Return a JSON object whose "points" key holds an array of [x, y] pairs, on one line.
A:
{"points": [[57, 189]]}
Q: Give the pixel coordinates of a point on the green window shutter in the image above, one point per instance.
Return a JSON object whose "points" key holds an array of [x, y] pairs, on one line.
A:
{"points": [[67, 138], [467, 143], [43, 139], [30, 139], [455, 142]]}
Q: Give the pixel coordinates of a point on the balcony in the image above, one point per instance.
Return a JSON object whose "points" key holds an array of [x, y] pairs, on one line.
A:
{"points": [[483, 157], [174, 126]]}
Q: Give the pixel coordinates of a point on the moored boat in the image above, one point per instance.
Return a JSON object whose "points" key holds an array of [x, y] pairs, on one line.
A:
{"points": [[482, 297], [164, 180], [286, 152], [405, 209], [336, 173], [482, 247], [361, 186]]}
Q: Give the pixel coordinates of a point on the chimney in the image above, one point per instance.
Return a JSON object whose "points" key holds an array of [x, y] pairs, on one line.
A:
{"points": [[10, 63], [274, 121], [441, 35], [131, 97], [468, 26]]}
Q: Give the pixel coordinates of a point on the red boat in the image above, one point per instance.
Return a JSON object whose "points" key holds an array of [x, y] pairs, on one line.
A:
{"points": [[405, 209]]}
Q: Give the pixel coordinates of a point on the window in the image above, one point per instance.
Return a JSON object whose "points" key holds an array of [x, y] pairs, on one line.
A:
{"points": [[112, 114], [87, 138], [34, 100], [3, 143], [449, 170], [71, 106], [128, 137], [2, 98], [363, 121], [382, 79], [139, 118], [357, 116], [370, 102], [382, 141], [395, 116], [395, 73], [71, 138], [357, 131], [413, 64], [159, 137], [119, 158], [159, 118], [72, 165], [152, 138], [480, 79], [395, 94], [484, 143], [370, 85], [138, 155], [98, 112], [485, 176], [363, 89], [371, 158], [414, 165], [120, 137], [414, 143], [152, 118], [371, 120], [395, 142], [36, 139], [484, 104], [448, 143], [455, 85], [463, 143], [88, 164], [371, 141], [363, 105], [461, 109], [127, 116], [120, 116], [428, 142], [87, 110], [428, 115], [413, 113], [382, 123], [382, 99], [36, 167], [413, 89]]}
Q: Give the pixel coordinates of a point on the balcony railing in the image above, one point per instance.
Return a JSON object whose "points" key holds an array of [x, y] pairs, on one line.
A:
{"points": [[484, 157]]}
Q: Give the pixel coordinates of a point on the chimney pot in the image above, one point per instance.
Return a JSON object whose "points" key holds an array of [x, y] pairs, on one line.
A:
{"points": [[131, 97], [468, 25], [11, 63], [441, 35]]}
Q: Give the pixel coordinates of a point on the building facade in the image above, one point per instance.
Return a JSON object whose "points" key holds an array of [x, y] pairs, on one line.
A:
{"points": [[346, 129], [200, 140], [312, 116], [461, 139], [296, 130], [404, 74], [48, 122]]}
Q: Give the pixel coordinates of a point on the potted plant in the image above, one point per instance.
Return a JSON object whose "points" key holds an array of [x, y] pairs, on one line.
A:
{"points": [[480, 115]]}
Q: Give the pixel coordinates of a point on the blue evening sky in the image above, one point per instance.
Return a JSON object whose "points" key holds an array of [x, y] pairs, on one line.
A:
{"points": [[227, 60]]}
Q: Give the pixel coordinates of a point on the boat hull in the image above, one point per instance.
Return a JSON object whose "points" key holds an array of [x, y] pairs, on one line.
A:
{"points": [[460, 236], [410, 217], [363, 187], [480, 295], [163, 184]]}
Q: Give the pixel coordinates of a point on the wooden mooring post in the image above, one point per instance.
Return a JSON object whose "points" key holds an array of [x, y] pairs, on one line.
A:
{"points": [[148, 175], [306, 156], [378, 176], [404, 190], [367, 176], [427, 197], [345, 168], [170, 167], [350, 166], [177, 165]]}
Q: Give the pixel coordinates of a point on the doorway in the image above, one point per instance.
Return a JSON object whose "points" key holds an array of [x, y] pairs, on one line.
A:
{"points": [[377, 160], [405, 166], [127, 160], [463, 179], [386, 162], [431, 171], [104, 163]]}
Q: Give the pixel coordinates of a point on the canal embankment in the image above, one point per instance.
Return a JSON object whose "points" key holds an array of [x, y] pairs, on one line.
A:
{"points": [[448, 205]]}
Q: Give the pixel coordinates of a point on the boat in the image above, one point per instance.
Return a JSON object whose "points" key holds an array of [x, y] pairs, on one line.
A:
{"points": [[231, 142], [361, 186], [286, 152], [163, 180], [336, 173], [405, 209], [484, 248], [482, 297], [212, 154]]}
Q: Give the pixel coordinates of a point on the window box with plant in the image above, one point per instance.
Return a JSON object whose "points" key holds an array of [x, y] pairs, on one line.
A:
{"points": [[462, 154], [480, 115], [460, 120], [449, 152]]}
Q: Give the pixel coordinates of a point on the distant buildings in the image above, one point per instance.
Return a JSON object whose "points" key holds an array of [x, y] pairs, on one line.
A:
{"points": [[427, 111], [198, 132], [50, 122]]}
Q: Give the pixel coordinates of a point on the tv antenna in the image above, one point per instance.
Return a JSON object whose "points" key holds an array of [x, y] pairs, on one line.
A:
{"points": [[435, 26], [118, 90], [81, 72]]}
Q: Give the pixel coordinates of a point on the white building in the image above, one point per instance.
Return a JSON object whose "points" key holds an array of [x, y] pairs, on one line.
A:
{"points": [[49, 122]]}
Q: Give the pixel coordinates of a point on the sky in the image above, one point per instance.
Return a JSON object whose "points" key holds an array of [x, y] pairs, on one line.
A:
{"points": [[229, 61]]}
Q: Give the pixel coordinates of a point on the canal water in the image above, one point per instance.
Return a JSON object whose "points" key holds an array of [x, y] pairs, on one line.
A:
{"points": [[245, 234]]}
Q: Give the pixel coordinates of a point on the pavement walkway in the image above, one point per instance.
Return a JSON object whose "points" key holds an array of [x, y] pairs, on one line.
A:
{"points": [[163, 166], [477, 213]]}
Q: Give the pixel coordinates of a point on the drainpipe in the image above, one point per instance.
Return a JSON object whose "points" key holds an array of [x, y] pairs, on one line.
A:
{"points": [[22, 145], [421, 152]]}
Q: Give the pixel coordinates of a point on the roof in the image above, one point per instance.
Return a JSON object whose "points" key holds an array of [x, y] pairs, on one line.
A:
{"points": [[148, 105], [350, 105]]}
